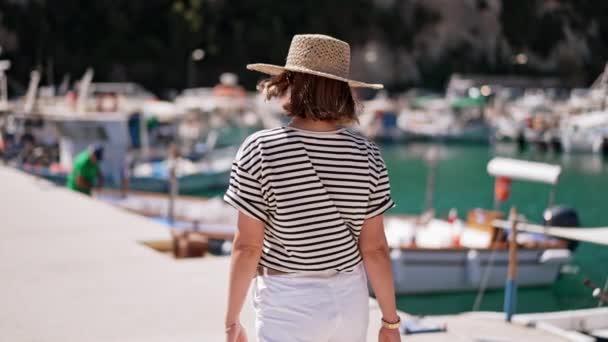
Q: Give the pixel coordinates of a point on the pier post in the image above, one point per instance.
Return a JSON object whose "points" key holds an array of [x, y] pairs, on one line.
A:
{"points": [[173, 184], [511, 284], [144, 139]]}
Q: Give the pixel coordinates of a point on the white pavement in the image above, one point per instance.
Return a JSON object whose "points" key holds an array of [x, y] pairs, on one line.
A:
{"points": [[73, 270]]}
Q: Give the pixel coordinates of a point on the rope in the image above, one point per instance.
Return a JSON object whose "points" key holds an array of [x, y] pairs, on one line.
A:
{"points": [[484, 281]]}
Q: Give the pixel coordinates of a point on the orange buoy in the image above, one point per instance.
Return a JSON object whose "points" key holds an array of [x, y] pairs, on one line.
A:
{"points": [[502, 189]]}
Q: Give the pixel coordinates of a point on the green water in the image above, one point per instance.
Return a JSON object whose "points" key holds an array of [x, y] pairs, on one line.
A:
{"points": [[463, 183]]}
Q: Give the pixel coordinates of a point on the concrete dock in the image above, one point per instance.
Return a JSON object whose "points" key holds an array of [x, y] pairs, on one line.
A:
{"points": [[74, 269]]}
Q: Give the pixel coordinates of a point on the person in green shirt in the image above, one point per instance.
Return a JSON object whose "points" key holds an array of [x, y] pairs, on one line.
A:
{"points": [[85, 172]]}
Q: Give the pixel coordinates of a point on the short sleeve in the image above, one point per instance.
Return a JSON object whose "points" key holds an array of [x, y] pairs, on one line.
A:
{"points": [[380, 195], [245, 193]]}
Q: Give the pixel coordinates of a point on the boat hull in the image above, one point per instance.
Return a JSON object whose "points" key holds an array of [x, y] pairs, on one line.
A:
{"points": [[480, 134], [190, 184], [429, 271]]}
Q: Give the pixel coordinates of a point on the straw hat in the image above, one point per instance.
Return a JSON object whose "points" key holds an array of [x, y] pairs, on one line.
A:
{"points": [[316, 54]]}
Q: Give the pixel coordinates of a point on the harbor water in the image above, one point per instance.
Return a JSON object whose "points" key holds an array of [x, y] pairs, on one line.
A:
{"points": [[462, 182]]}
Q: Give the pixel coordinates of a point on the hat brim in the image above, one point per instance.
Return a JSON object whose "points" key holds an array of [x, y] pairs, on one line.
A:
{"points": [[271, 69]]}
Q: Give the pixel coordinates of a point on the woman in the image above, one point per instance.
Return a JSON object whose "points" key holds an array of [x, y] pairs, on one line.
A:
{"points": [[311, 197]]}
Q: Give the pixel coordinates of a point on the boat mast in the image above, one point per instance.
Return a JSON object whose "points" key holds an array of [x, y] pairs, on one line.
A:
{"points": [[601, 83], [32, 91], [4, 65], [431, 162], [551, 200], [603, 295], [173, 182], [83, 89]]}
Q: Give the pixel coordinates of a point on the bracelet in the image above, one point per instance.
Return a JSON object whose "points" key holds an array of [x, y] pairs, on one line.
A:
{"points": [[391, 325]]}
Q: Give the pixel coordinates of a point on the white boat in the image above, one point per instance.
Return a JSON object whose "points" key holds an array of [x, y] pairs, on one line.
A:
{"points": [[102, 114], [227, 103], [379, 117], [76, 124], [192, 176], [584, 325], [5, 106], [585, 128], [585, 133], [442, 119], [432, 255], [432, 266], [208, 215]]}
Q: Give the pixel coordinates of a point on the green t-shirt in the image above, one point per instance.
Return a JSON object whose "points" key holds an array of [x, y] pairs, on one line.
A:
{"points": [[85, 168]]}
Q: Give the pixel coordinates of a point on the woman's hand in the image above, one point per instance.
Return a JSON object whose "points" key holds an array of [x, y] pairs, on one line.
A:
{"points": [[246, 253], [389, 335], [236, 333], [375, 252]]}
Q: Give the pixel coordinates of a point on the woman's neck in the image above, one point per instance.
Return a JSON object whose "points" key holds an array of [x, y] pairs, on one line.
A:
{"points": [[313, 125]]}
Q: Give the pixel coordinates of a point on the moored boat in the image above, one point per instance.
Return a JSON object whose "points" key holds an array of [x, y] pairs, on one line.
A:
{"points": [[192, 176], [585, 133], [433, 255]]}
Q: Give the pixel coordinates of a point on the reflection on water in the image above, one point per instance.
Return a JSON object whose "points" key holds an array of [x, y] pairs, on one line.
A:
{"points": [[462, 182], [585, 163]]}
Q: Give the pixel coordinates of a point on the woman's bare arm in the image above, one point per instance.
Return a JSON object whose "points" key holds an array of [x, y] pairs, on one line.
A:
{"points": [[375, 252], [246, 253]]}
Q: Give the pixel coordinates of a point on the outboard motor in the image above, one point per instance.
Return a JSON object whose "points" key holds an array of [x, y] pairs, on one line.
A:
{"points": [[561, 216]]}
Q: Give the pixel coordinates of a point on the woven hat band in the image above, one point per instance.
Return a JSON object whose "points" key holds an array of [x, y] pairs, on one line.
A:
{"points": [[320, 53]]}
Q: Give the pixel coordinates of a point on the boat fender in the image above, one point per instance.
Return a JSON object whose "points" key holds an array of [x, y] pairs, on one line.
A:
{"points": [[502, 189], [562, 216], [227, 247], [555, 256], [220, 247], [473, 267]]}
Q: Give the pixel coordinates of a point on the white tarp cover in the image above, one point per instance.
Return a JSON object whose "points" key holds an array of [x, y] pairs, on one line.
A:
{"points": [[524, 170]]}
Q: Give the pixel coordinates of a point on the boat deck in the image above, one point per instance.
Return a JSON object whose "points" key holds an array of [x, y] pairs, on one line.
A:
{"points": [[74, 270]]}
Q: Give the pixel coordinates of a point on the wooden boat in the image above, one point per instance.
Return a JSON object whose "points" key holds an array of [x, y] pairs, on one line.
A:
{"points": [[432, 255], [467, 265]]}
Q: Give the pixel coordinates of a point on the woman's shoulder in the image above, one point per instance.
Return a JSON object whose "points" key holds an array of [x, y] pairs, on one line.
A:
{"points": [[256, 140], [361, 140], [262, 135]]}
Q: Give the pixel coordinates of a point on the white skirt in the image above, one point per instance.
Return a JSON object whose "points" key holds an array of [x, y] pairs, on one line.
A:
{"points": [[325, 306]]}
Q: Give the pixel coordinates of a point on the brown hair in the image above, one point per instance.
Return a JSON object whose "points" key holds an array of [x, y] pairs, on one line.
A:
{"points": [[312, 97]]}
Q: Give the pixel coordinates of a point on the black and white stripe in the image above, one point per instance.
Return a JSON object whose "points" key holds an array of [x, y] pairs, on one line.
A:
{"points": [[313, 191]]}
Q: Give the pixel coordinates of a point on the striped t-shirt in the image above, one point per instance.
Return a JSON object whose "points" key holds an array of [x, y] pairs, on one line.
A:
{"points": [[312, 190]]}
